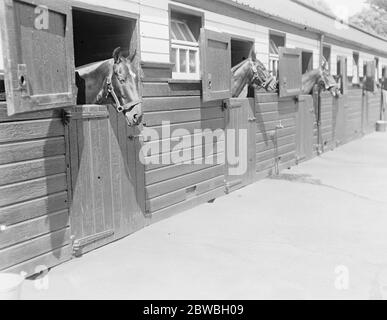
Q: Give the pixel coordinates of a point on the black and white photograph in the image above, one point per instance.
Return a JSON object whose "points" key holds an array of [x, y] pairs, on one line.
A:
{"points": [[193, 155]]}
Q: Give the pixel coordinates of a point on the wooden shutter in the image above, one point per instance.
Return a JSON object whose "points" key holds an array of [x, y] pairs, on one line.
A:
{"points": [[290, 77], [343, 72], [384, 78], [370, 76], [38, 54], [215, 65]]}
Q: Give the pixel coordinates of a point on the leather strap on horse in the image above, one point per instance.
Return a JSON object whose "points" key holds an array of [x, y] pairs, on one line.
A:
{"points": [[120, 108]]}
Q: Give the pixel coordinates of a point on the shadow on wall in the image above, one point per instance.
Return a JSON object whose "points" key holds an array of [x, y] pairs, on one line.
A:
{"points": [[2, 87]]}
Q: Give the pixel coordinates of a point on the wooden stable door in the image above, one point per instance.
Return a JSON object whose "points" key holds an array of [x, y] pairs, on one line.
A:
{"points": [[305, 124], [105, 205], [338, 120], [240, 119]]}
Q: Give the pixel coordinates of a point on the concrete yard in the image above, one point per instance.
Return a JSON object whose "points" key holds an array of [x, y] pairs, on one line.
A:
{"points": [[318, 231]]}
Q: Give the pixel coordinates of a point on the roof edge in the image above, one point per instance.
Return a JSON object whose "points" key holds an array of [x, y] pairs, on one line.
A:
{"points": [[262, 13]]}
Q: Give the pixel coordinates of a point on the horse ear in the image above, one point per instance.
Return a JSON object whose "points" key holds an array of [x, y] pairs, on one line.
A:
{"points": [[253, 55], [117, 54]]}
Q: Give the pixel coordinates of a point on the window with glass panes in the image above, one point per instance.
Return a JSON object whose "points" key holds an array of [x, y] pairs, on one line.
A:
{"points": [[184, 51], [275, 41]]}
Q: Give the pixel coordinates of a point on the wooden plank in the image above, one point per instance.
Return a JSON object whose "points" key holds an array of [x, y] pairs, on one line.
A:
{"points": [[186, 205], [271, 125], [174, 171], [173, 89], [160, 71], [33, 169], [196, 153], [49, 260], [49, 114], [181, 195], [268, 165], [33, 228], [76, 196], [282, 141], [266, 107], [28, 190], [106, 179], [85, 172], [190, 179], [171, 144], [22, 151], [28, 130], [266, 97], [176, 116], [17, 254], [33, 209], [115, 172], [171, 103], [190, 127], [261, 137], [97, 176], [263, 155]]}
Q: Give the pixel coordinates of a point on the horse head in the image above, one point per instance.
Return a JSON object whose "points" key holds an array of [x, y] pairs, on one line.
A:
{"points": [[322, 78], [262, 78], [252, 72], [123, 87], [330, 84]]}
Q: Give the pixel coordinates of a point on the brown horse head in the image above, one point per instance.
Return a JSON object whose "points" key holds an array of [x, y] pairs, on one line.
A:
{"points": [[125, 86], [252, 72], [322, 78], [262, 78]]}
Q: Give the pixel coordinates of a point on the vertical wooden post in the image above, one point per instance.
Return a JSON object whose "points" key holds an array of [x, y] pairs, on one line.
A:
{"points": [[322, 37]]}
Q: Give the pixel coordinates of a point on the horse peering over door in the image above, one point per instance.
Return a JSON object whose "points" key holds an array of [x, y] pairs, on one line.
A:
{"points": [[106, 174]]}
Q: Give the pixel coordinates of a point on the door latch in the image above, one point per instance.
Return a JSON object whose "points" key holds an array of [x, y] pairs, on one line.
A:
{"points": [[22, 79]]}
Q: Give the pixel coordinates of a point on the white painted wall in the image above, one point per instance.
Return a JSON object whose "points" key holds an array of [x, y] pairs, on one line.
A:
{"points": [[154, 29], [341, 52]]}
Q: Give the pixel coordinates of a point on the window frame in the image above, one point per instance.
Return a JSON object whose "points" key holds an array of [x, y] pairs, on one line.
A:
{"points": [[329, 47], [311, 53], [357, 65], [274, 58], [189, 47], [377, 75], [177, 44]]}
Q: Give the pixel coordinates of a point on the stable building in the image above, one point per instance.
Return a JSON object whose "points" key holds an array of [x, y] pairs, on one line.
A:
{"points": [[71, 176]]}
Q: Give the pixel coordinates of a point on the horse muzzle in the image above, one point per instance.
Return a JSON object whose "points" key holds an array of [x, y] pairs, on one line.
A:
{"points": [[272, 85], [134, 115]]}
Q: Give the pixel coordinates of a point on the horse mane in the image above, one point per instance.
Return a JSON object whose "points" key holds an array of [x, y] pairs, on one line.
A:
{"points": [[309, 79], [240, 79], [238, 66], [93, 67]]}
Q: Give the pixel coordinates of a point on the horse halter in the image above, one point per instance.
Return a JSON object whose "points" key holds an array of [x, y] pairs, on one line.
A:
{"points": [[256, 76], [120, 108]]}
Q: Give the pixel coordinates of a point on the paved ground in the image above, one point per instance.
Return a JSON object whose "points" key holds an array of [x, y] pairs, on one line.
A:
{"points": [[279, 238]]}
